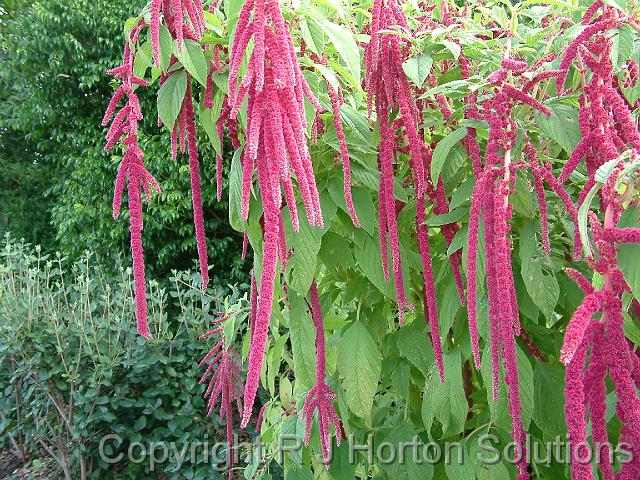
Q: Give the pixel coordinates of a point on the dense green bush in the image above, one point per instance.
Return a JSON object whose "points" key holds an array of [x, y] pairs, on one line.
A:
{"points": [[72, 369], [55, 180]]}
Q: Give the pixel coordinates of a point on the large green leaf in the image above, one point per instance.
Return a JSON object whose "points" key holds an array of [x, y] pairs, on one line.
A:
{"points": [[561, 125], [235, 193], [500, 413], [548, 411], [450, 405], [305, 246], [405, 464], [629, 253], [418, 68], [303, 338], [441, 152], [170, 97], [414, 344], [359, 364], [345, 43], [370, 262], [192, 58], [541, 284]]}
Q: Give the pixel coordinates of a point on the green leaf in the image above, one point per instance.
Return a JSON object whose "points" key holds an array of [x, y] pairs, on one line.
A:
{"points": [[629, 253], [406, 464], [359, 364], [418, 68], [583, 219], [441, 152], [500, 410], [305, 245], [335, 250], [414, 344], [346, 45], [548, 411], [165, 44], [541, 284], [303, 337], [192, 58], [447, 218], [561, 125], [235, 193], [450, 405], [170, 97], [457, 470], [370, 262]]}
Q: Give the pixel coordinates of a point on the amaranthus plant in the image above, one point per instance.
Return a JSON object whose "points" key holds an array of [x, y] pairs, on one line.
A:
{"points": [[453, 166]]}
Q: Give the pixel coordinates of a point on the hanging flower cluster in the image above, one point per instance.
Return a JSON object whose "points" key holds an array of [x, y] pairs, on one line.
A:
{"points": [[494, 184], [320, 398], [336, 99], [132, 172], [595, 345], [184, 133], [276, 148], [225, 382], [388, 86], [585, 388], [174, 13]]}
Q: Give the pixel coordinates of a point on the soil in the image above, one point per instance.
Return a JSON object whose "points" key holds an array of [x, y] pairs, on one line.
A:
{"points": [[43, 468]]}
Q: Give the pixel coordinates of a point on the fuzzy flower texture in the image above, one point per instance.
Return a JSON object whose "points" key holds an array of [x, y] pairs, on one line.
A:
{"points": [[595, 345], [132, 172], [275, 147]]}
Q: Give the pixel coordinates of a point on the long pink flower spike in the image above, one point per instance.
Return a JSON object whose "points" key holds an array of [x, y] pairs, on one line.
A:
{"points": [[131, 170], [430, 300], [196, 189], [320, 398], [224, 383]]}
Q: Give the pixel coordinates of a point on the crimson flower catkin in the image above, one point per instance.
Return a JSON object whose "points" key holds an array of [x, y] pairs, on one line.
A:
{"points": [[225, 381], [320, 398], [132, 172], [610, 355], [183, 19], [276, 148]]}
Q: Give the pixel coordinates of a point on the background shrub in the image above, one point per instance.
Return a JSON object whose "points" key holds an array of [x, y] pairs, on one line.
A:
{"points": [[73, 369]]}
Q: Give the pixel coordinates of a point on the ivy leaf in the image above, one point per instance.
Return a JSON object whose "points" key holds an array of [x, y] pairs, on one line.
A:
{"points": [[418, 68], [561, 125], [359, 364], [170, 97], [441, 152], [192, 58]]}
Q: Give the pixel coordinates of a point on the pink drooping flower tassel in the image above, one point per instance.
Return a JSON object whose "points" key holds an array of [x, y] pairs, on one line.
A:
{"points": [[132, 172], [320, 398], [276, 147], [174, 13], [196, 188], [224, 383]]}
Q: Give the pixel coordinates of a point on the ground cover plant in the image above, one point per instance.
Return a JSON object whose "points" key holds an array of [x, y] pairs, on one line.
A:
{"points": [[441, 199]]}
